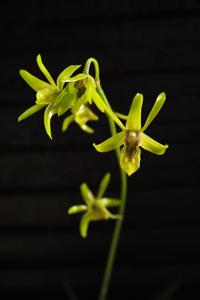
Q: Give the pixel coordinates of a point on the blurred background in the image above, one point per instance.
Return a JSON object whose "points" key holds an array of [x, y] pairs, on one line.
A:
{"points": [[142, 46]]}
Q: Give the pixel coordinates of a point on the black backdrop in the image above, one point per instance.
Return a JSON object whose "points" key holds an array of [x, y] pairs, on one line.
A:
{"points": [[141, 46]]}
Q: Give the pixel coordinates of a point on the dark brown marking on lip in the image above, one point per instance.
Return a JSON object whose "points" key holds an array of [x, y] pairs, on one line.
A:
{"points": [[79, 85], [132, 140]]}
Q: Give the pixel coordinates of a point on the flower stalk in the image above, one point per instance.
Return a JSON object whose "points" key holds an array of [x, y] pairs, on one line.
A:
{"points": [[118, 224], [123, 194]]}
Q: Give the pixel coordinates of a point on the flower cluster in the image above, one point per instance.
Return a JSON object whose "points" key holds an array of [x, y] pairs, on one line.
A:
{"points": [[74, 94]]}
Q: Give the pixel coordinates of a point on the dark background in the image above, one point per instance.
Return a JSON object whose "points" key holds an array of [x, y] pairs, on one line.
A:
{"points": [[141, 46]]}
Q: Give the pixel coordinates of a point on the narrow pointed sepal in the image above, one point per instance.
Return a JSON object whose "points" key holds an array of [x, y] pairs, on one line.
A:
{"points": [[151, 145], [87, 128], [50, 111], [103, 185], [130, 164], [155, 110], [121, 116], [66, 73], [110, 202], [97, 100], [89, 90], [67, 121], [134, 117], [44, 70], [112, 143], [30, 111], [87, 194], [115, 217], [84, 224], [35, 83], [77, 209], [77, 77]]}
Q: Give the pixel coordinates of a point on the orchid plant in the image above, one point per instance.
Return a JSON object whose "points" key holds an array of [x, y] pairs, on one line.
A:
{"points": [[73, 95]]}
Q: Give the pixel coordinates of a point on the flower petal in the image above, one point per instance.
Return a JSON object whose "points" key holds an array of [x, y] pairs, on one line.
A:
{"points": [[89, 90], [65, 104], [30, 111], [48, 114], [134, 117], [114, 217], [130, 164], [67, 121], [85, 114], [66, 73], [86, 128], [35, 83], [59, 97], [103, 185], [112, 143], [110, 202], [151, 145], [97, 100], [44, 71], [77, 77], [121, 116], [87, 194], [82, 116], [155, 110], [76, 209], [84, 224]]}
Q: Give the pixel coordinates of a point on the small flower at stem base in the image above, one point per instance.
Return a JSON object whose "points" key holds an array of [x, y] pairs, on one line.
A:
{"points": [[95, 207]]}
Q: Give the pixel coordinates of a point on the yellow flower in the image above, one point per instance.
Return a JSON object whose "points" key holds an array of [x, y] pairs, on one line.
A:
{"points": [[132, 136], [74, 93], [49, 93], [81, 117], [95, 207]]}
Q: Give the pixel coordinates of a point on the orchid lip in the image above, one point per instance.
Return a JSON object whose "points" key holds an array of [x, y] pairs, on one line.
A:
{"points": [[132, 141]]}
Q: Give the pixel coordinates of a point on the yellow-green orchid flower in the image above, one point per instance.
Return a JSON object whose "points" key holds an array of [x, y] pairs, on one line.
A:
{"points": [[48, 93], [64, 94], [95, 208], [133, 136], [81, 117], [82, 88]]}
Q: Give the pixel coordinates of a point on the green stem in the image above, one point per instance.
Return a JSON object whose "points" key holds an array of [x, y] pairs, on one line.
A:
{"points": [[96, 66], [118, 226]]}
